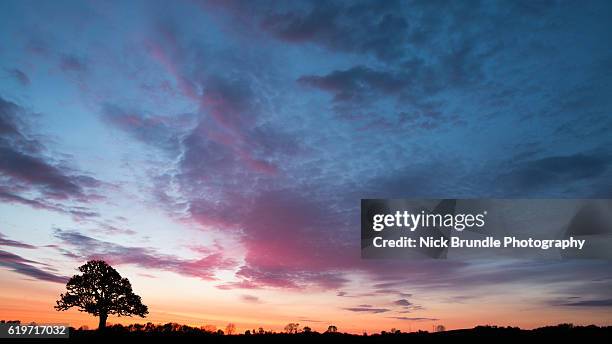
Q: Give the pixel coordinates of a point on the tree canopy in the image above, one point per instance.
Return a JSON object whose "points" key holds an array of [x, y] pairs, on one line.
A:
{"points": [[100, 290]]}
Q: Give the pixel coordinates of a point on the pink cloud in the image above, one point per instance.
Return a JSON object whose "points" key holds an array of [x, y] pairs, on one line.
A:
{"points": [[82, 247], [228, 103]]}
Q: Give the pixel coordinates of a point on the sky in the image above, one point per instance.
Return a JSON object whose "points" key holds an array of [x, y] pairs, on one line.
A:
{"points": [[215, 153]]}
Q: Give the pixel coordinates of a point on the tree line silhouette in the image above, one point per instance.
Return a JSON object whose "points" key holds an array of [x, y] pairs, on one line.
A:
{"points": [[174, 331]]}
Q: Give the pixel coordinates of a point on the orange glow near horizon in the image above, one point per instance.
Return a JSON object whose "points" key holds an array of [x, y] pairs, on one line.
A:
{"points": [[33, 301]]}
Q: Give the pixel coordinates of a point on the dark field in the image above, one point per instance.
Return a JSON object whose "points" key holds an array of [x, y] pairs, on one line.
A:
{"points": [[480, 334]]}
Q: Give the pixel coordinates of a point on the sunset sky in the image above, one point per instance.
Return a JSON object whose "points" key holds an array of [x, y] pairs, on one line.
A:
{"points": [[215, 153]]}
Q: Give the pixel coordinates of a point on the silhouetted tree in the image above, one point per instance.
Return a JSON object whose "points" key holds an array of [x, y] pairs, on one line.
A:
{"points": [[230, 328], [209, 328], [292, 328], [101, 291], [307, 329], [332, 329]]}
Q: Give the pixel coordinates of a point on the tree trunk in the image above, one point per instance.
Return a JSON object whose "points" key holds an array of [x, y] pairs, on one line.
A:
{"points": [[102, 323]]}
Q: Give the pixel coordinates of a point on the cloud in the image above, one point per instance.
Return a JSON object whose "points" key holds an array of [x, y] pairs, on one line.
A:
{"points": [[587, 303], [72, 63], [34, 170], [375, 292], [435, 63], [27, 267], [254, 277], [82, 247], [414, 318], [367, 309], [234, 136], [77, 212], [250, 298], [358, 83], [392, 291], [559, 172], [7, 242], [473, 275], [162, 131], [308, 320], [284, 224], [230, 110], [398, 97], [19, 76], [24, 165], [403, 302], [407, 306], [114, 230], [364, 27]]}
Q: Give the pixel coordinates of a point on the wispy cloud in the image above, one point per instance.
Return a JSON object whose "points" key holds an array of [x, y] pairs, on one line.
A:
{"points": [[79, 246], [367, 309], [8, 242], [19, 75], [25, 165], [414, 318], [586, 303], [250, 298], [28, 268]]}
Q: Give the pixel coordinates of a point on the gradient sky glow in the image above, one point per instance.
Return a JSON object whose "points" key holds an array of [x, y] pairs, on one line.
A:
{"points": [[215, 153]]}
